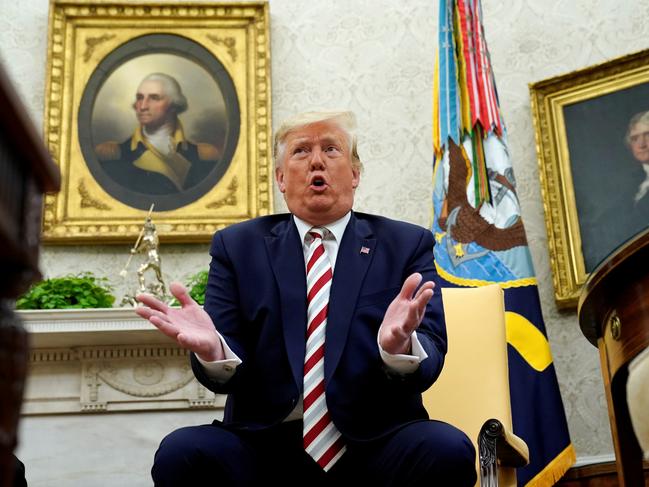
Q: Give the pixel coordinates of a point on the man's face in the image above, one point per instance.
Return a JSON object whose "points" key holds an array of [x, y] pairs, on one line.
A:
{"points": [[152, 105], [315, 173], [639, 141]]}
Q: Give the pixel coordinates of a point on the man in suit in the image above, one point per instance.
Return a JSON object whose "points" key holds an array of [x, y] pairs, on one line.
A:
{"points": [[270, 288], [158, 159]]}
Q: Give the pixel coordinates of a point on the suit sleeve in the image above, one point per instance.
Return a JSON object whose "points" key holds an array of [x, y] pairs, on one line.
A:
{"points": [[222, 304]]}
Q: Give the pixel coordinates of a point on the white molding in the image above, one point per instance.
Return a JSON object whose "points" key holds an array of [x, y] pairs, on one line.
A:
{"points": [[85, 315], [594, 459], [106, 360], [84, 327]]}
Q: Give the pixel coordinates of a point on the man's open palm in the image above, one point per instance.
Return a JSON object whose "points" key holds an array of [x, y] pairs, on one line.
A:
{"points": [[189, 325], [404, 315]]}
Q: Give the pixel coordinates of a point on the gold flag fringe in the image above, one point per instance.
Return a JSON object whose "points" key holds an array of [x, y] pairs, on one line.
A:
{"points": [[554, 470]]}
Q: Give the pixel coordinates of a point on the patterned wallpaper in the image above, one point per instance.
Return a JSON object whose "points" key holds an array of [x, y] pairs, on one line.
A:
{"points": [[376, 57]]}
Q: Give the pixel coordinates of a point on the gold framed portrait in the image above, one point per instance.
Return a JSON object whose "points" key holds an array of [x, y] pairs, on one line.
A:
{"points": [[157, 104], [592, 139]]}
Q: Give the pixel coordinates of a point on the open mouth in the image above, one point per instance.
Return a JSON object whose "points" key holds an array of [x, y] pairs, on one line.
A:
{"points": [[318, 182]]}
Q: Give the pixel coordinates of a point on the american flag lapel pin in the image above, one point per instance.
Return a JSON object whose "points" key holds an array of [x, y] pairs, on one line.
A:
{"points": [[365, 250]]}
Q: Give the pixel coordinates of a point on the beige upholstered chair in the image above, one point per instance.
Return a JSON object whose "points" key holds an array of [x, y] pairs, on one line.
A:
{"points": [[472, 392], [637, 398]]}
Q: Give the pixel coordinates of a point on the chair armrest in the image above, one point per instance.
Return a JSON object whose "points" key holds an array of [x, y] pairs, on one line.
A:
{"points": [[499, 447]]}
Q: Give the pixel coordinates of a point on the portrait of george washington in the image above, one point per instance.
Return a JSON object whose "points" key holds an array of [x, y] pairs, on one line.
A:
{"points": [[159, 125]]}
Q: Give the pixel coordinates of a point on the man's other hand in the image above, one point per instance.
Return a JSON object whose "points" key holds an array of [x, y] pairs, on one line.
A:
{"points": [[404, 315]]}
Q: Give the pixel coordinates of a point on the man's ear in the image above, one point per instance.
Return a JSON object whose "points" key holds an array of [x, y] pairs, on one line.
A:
{"points": [[279, 177], [356, 178]]}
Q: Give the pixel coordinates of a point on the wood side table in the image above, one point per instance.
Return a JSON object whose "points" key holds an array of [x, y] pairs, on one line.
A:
{"points": [[613, 315]]}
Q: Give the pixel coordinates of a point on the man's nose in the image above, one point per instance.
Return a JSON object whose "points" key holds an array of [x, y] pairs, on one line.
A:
{"points": [[317, 161]]}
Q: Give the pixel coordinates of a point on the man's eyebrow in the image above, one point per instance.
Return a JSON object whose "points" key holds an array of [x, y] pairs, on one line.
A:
{"points": [[325, 138]]}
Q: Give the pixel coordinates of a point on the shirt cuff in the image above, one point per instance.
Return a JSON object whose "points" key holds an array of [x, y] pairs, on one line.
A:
{"points": [[402, 363], [221, 370]]}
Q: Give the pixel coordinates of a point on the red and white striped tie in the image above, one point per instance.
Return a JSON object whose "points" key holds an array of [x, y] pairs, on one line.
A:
{"points": [[322, 440]]}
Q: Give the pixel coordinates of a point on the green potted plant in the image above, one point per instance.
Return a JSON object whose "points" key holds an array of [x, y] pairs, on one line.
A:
{"points": [[83, 290], [196, 285]]}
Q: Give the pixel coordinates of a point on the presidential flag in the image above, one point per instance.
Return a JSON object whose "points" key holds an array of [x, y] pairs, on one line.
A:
{"points": [[480, 235]]}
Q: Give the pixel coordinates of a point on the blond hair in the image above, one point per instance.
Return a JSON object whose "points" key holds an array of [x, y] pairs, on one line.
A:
{"points": [[344, 120]]}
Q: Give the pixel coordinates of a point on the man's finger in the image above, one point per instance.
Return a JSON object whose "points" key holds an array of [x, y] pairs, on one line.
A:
{"points": [[189, 342], [146, 313], [180, 293], [164, 326], [409, 286], [152, 302], [424, 287], [423, 298], [417, 308]]}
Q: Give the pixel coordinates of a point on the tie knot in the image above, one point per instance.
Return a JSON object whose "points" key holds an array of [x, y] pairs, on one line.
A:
{"points": [[317, 232]]}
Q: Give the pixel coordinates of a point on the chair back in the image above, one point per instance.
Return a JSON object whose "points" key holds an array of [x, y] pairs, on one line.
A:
{"points": [[474, 384]]}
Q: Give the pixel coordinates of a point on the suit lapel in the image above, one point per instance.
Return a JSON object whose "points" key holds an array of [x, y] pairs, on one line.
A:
{"points": [[354, 257], [287, 260]]}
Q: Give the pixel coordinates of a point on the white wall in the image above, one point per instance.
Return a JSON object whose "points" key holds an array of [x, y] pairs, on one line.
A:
{"points": [[376, 57]]}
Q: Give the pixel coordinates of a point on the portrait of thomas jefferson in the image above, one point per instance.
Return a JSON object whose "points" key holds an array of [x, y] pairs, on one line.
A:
{"points": [[158, 158], [608, 147]]}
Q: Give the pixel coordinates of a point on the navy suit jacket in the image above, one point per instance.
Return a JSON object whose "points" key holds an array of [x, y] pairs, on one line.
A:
{"points": [[256, 296]]}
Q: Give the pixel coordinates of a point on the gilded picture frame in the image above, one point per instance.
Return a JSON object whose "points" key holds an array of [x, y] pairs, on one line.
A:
{"points": [[213, 62], [589, 170]]}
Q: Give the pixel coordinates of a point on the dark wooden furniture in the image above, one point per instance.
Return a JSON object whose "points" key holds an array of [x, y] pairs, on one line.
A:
{"points": [[613, 314], [26, 172], [595, 475]]}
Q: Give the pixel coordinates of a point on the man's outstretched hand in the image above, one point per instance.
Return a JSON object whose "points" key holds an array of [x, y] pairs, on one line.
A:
{"points": [[190, 326], [404, 315]]}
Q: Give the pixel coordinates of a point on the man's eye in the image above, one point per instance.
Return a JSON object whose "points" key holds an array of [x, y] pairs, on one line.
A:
{"points": [[299, 150], [332, 148]]}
